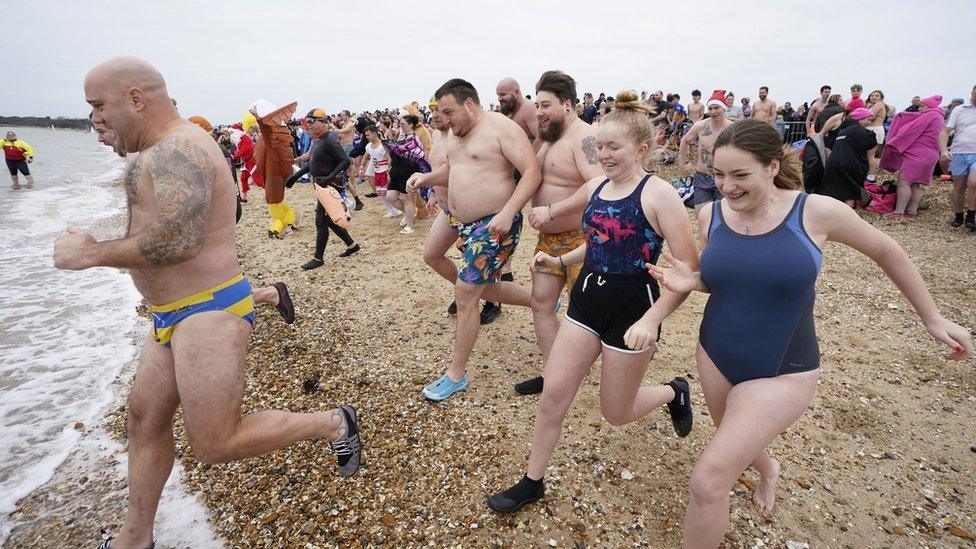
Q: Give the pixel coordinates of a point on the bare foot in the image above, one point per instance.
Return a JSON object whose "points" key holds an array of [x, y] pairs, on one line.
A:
{"points": [[764, 498]]}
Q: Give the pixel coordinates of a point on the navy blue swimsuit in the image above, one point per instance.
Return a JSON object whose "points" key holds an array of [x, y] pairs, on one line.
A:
{"points": [[614, 289], [758, 321]]}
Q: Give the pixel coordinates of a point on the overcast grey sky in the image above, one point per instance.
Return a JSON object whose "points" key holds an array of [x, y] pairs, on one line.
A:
{"points": [[375, 54]]}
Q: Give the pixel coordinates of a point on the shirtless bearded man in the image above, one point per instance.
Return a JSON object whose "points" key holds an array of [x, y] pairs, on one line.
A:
{"points": [[512, 103], [180, 252], [705, 132], [483, 151], [765, 108], [567, 158], [516, 107]]}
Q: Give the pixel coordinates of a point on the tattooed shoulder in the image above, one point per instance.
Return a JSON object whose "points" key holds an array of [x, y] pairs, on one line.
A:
{"points": [[182, 175], [589, 150], [131, 177]]}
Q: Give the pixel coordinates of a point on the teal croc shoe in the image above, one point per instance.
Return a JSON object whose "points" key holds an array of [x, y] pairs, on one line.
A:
{"points": [[444, 387]]}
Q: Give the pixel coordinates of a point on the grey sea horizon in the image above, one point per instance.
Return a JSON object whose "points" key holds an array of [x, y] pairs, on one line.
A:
{"points": [[217, 62]]}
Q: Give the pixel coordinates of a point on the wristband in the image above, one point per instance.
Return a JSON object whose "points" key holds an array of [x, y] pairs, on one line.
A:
{"points": [[561, 264], [550, 212]]}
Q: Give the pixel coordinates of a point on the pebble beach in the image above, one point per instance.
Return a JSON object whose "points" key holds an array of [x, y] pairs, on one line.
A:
{"points": [[885, 457]]}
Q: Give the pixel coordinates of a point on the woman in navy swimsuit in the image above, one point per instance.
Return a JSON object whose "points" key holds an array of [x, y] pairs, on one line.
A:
{"points": [[615, 307], [758, 357]]}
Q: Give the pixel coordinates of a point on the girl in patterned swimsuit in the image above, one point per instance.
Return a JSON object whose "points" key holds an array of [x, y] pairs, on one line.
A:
{"points": [[615, 308]]}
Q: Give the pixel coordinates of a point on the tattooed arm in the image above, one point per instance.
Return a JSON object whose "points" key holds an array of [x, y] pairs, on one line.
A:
{"points": [[586, 159], [684, 163], [183, 176]]}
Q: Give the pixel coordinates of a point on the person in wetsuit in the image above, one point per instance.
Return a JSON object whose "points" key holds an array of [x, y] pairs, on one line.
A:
{"points": [[847, 166], [833, 107], [327, 165], [758, 356]]}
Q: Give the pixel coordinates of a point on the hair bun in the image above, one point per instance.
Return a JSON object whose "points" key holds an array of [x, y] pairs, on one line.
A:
{"points": [[627, 100]]}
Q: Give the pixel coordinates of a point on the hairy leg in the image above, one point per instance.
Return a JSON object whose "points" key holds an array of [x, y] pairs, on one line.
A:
{"points": [[971, 190], [152, 404], [266, 295], [208, 351], [439, 240], [468, 325]]}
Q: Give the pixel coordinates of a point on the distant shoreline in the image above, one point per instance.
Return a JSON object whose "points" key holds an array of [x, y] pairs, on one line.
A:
{"points": [[59, 123]]}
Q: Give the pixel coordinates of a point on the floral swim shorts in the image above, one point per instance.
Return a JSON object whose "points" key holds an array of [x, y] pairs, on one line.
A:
{"points": [[484, 255]]}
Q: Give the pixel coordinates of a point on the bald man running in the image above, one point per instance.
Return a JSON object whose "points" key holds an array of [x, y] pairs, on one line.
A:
{"points": [[483, 150], [513, 104], [517, 108], [567, 159], [180, 252]]}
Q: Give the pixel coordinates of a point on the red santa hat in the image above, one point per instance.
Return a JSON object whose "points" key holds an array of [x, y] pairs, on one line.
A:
{"points": [[717, 98]]}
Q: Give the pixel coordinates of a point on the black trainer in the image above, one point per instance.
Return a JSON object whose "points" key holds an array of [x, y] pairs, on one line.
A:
{"points": [[285, 307], [313, 264], [350, 250], [530, 386], [680, 407], [107, 542], [452, 308], [370, 195], [348, 449], [523, 493], [359, 204], [957, 221], [490, 312]]}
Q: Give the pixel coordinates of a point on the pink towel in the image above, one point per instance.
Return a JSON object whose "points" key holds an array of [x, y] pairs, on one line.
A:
{"points": [[912, 147], [908, 127]]}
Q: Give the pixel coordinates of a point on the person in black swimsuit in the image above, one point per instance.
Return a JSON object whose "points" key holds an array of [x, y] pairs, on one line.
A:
{"points": [[615, 307], [758, 356], [327, 165]]}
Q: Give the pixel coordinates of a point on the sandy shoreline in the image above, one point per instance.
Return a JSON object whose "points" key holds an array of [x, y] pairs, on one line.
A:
{"points": [[885, 456]]}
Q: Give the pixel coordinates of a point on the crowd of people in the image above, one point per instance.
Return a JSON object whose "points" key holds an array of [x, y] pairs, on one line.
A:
{"points": [[585, 170], [914, 155]]}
